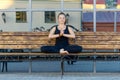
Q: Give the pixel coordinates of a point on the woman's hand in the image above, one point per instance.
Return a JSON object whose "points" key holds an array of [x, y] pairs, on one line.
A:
{"points": [[61, 33]]}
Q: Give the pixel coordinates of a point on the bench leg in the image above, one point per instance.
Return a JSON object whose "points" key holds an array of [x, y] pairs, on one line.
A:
{"points": [[94, 66], [30, 66], [62, 65], [4, 66]]}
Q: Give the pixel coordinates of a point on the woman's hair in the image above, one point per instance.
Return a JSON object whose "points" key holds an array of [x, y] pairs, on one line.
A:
{"points": [[61, 13]]}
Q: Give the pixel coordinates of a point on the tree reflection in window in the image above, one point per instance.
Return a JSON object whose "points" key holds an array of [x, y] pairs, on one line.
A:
{"points": [[50, 17], [111, 3], [21, 17]]}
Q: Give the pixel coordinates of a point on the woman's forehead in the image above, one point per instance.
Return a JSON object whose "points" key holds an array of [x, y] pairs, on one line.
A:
{"points": [[61, 15]]}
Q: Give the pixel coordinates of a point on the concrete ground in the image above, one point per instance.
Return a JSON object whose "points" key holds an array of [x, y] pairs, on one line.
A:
{"points": [[50, 70], [57, 76]]}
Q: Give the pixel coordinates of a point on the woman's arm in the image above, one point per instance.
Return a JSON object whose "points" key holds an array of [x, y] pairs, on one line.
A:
{"points": [[52, 33], [71, 35]]}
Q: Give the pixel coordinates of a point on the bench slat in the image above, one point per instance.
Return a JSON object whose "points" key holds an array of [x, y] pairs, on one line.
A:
{"points": [[24, 42], [97, 33], [22, 38], [38, 46], [101, 47], [57, 54], [43, 33]]}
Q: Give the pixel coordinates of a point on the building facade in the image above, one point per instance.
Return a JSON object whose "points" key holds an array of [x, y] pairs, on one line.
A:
{"points": [[31, 15], [27, 15]]}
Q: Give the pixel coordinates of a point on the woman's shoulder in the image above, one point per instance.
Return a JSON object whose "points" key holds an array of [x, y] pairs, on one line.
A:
{"points": [[72, 27], [68, 26], [54, 26]]}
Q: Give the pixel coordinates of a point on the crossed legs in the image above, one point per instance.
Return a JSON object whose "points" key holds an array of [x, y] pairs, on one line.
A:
{"points": [[63, 52]]}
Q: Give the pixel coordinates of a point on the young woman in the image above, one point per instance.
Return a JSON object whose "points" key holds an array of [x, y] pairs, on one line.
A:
{"points": [[62, 33]]}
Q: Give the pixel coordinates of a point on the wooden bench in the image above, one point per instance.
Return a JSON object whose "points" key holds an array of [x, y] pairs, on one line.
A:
{"points": [[28, 41], [94, 44], [99, 44]]}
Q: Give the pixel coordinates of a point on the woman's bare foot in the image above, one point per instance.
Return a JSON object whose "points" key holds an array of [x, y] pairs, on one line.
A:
{"points": [[63, 52]]}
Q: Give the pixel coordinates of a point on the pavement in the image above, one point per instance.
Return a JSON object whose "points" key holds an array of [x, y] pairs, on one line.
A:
{"points": [[57, 76], [50, 70]]}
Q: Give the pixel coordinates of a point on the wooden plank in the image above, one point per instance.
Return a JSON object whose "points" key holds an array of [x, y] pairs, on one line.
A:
{"points": [[8, 38], [100, 47], [34, 46], [23, 42], [15, 46], [57, 54], [38, 46], [97, 42], [29, 54], [97, 33], [96, 54], [24, 33], [46, 33], [34, 38]]}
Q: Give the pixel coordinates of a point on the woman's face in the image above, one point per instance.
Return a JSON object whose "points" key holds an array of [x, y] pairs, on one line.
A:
{"points": [[61, 19]]}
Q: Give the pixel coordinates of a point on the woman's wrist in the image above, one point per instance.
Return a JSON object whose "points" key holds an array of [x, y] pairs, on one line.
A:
{"points": [[66, 35], [63, 35], [60, 35]]}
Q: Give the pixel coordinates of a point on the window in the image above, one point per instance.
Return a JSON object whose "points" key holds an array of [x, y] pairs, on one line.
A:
{"points": [[21, 17], [50, 17], [111, 3]]}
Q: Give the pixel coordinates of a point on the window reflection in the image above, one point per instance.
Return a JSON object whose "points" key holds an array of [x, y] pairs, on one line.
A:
{"points": [[50, 17], [21, 17]]}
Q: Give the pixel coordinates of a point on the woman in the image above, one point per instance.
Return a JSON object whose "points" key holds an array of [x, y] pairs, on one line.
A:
{"points": [[62, 33]]}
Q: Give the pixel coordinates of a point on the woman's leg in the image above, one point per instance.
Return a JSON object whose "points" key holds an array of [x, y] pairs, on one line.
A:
{"points": [[49, 49], [53, 49], [73, 49]]}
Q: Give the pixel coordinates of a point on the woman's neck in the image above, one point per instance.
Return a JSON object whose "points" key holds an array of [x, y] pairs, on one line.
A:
{"points": [[61, 26]]}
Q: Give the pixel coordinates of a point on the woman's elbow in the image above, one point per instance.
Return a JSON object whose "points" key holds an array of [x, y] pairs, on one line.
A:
{"points": [[73, 36], [49, 37]]}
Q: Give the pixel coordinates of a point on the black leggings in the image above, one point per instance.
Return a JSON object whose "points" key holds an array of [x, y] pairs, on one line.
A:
{"points": [[56, 49]]}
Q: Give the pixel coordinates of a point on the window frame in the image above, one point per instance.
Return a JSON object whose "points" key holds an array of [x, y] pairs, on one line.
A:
{"points": [[21, 17], [50, 17]]}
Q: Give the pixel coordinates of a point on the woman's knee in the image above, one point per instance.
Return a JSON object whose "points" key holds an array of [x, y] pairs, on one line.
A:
{"points": [[74, 48], [49, 49], [43, 49], [80, 48]]}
